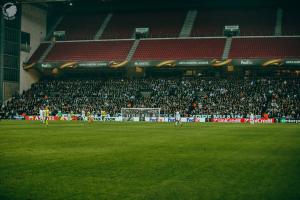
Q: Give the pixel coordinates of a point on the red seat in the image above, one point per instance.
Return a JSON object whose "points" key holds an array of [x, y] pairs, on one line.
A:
{"points": [[81, 26], [90, 51], [161, 24], [179, 49], [251, 22], [291, 22], [282, 47]]}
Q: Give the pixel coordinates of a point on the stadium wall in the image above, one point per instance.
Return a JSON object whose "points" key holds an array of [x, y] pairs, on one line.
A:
{"points": [[34, 21], [1, 57]]}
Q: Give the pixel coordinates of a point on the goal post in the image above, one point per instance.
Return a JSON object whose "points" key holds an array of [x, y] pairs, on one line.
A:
{"points": [[139, 114]]}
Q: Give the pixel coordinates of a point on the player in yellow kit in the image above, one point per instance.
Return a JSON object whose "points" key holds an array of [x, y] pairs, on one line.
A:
{"points": [[103, 115], [90, 117], [47, 114]]}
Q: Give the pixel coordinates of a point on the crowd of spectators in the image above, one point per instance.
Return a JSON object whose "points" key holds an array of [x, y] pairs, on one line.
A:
{"points": [[277, 97]]}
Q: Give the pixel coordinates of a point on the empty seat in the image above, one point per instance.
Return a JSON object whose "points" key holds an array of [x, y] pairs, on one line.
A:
{"points": [[161, 24], [90, 51], [291, 22], [282, 47], [179, 49], [251, 21], [81, 26]]}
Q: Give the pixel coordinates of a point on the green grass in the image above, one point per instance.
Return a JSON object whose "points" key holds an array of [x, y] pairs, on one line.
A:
{"points": [[71, 160]]}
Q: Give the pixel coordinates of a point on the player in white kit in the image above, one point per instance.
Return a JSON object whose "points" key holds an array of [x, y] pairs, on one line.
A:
{"points": [[41, 111], [177, 119], [83, 115], [251, 118]]}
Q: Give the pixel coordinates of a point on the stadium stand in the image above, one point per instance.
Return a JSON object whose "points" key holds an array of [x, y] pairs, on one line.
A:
{"points": [[291, 22], [278, 97], [179, 49], [161, 24], [81, 26], [38, 52], [252, 22], [278, 47], [90, 51]]}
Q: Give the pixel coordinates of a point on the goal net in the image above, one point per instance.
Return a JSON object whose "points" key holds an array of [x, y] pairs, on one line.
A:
{"points": [[139, 114]]}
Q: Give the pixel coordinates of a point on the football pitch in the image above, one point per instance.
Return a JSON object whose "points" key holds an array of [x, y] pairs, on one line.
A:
{"points": [[72, 160]]}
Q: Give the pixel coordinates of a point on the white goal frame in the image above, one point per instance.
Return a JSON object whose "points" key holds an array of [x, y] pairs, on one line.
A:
{"points": [[139, 114]]}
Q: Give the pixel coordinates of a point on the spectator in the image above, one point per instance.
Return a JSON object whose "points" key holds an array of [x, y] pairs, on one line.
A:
{"points": [[189, 96]]}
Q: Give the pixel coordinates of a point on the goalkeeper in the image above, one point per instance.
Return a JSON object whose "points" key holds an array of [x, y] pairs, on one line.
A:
{"points": [[103, 115], [47, 115]]}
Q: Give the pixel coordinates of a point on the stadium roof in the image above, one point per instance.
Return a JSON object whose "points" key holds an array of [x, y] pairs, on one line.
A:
{"points": [[104, 5], [212, 2]]}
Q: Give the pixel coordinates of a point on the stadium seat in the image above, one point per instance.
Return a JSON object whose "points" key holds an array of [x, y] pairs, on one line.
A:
{"points": [[90, 51], [291, 22], [282, 47], [251, 22], [179, 49], [161, 24], [81, 26]]}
